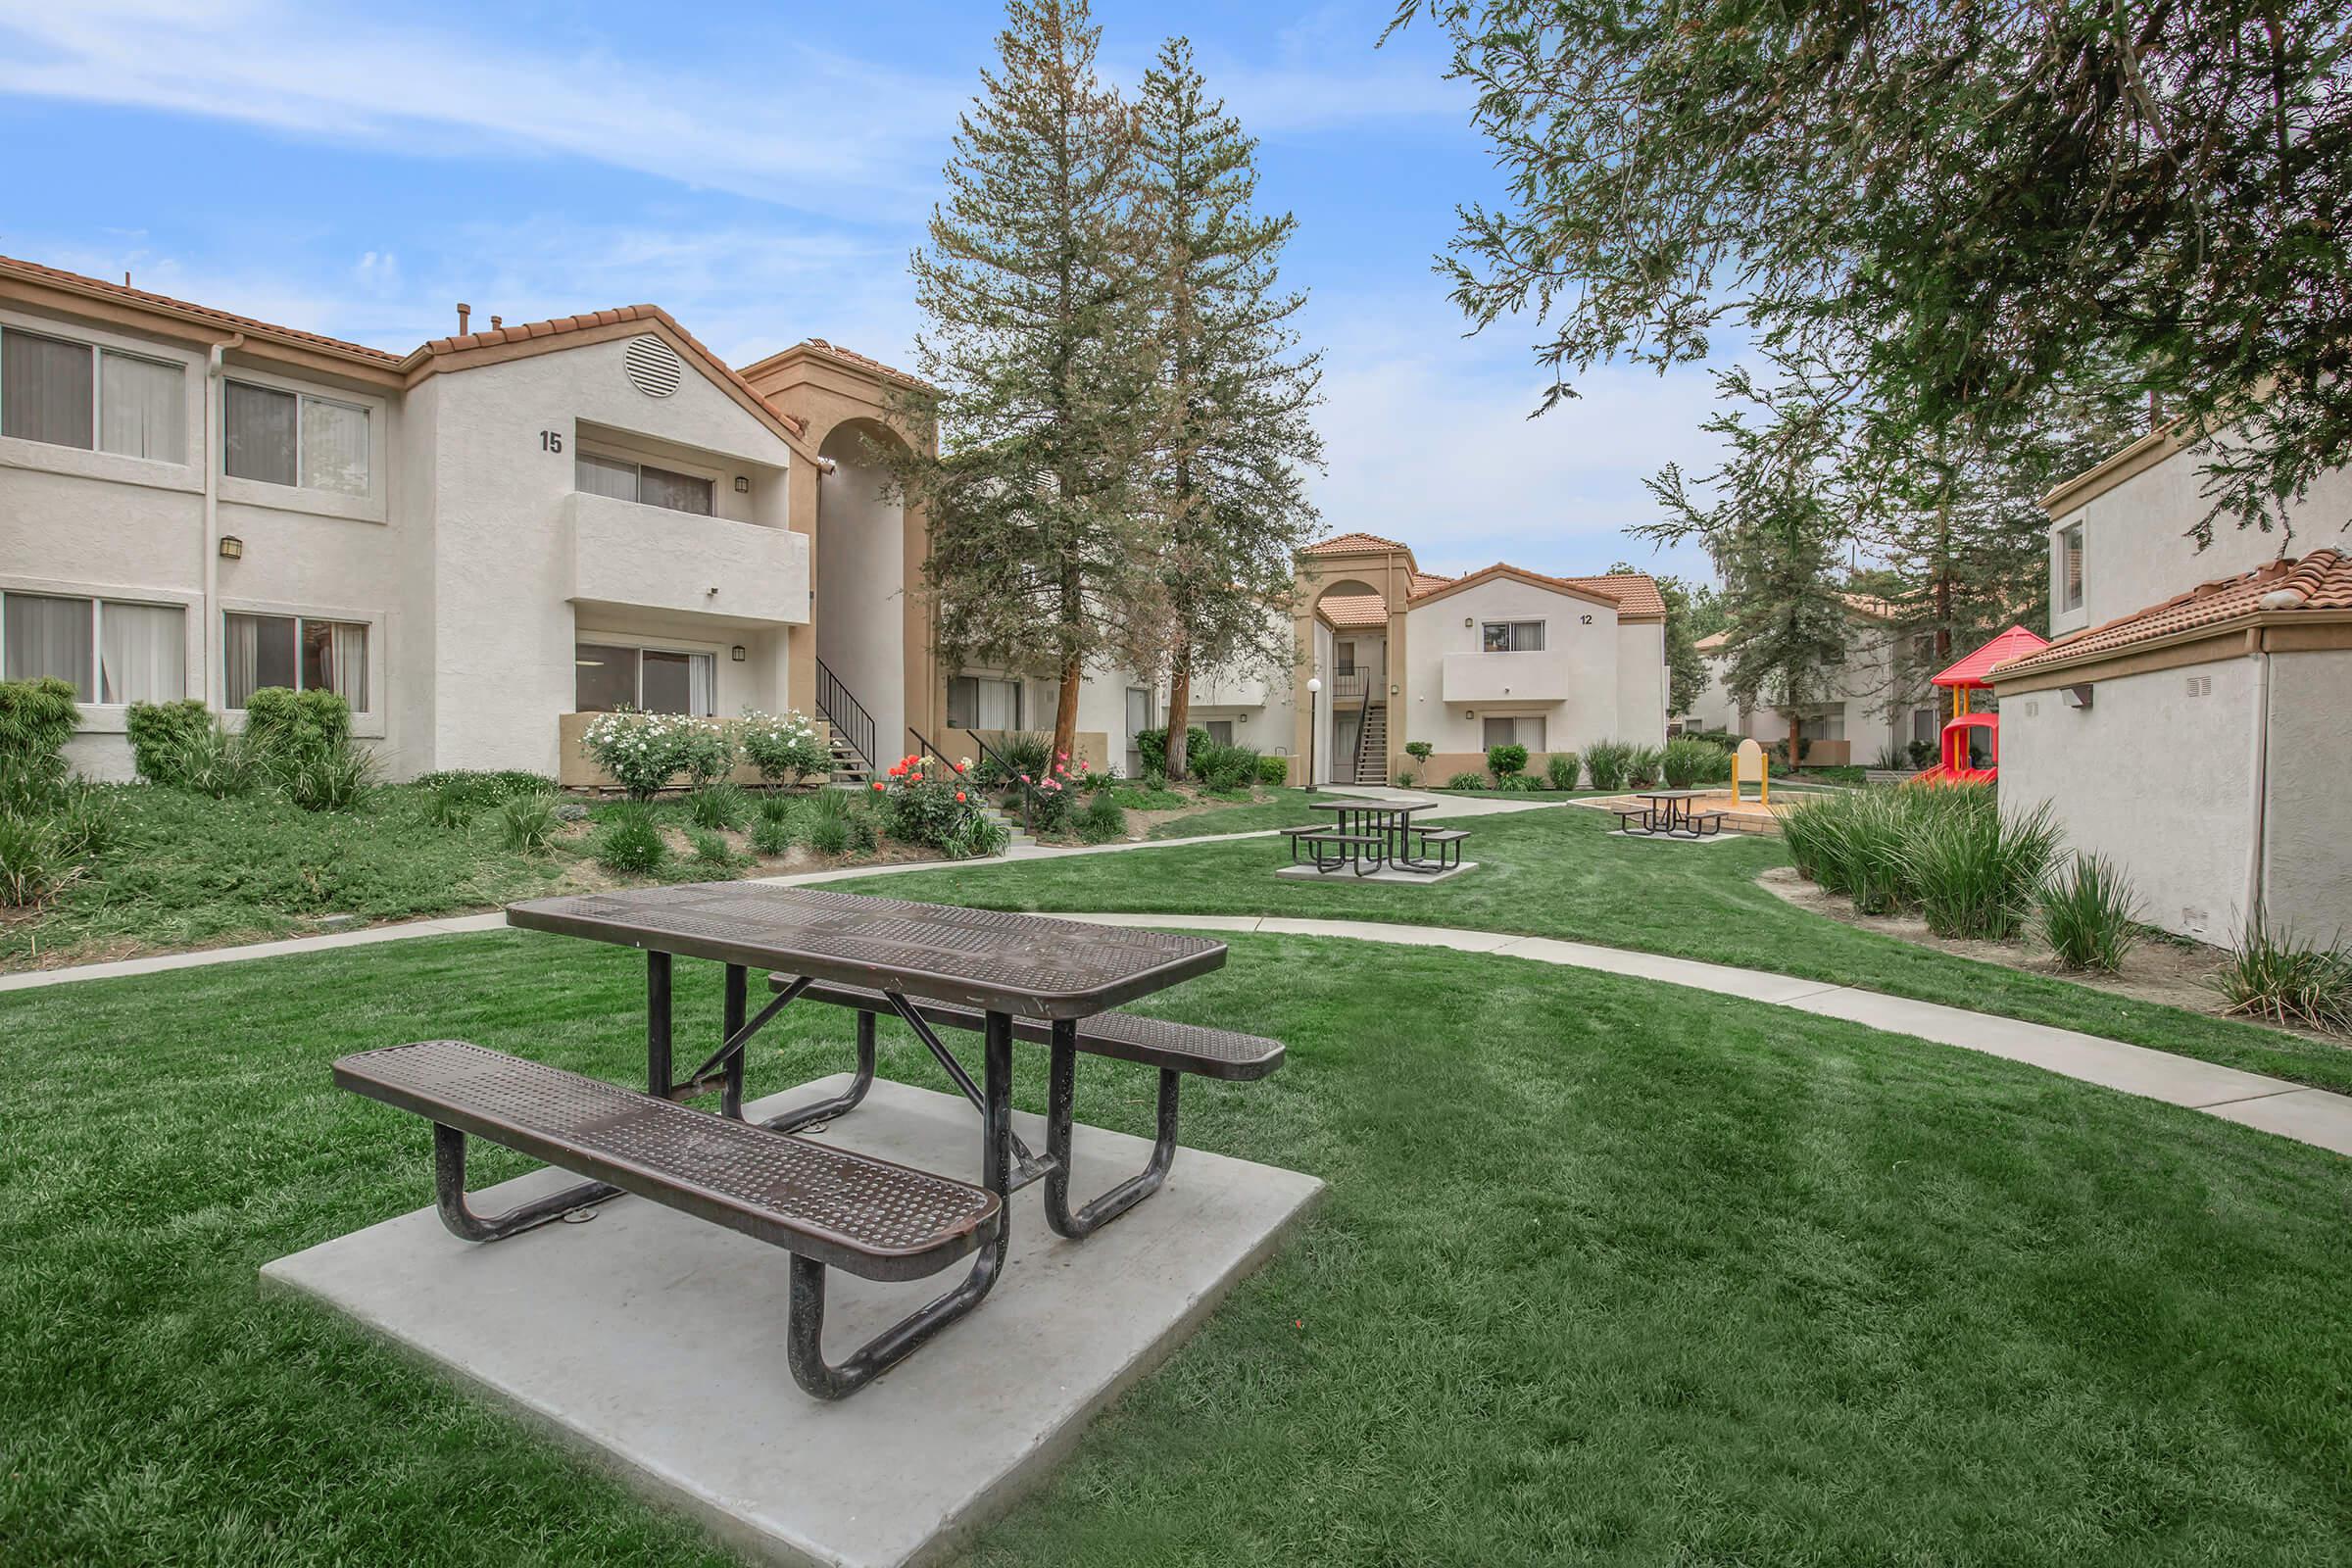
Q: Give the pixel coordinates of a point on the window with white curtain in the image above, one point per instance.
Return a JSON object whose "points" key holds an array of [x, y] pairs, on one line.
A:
{"points": [[68, 394], [301, 653], [294, 439], [594, 474], [108, 649], [1512, 637], [1524, 729], [609, 676], [983, 703]]}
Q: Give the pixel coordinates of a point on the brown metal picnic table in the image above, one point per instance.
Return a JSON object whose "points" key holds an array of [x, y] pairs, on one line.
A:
{"points": [[1669, 810], [1386, 823]]}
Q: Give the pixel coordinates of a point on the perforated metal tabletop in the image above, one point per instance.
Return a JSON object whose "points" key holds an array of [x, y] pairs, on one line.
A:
{"points": [[1030, 966]]}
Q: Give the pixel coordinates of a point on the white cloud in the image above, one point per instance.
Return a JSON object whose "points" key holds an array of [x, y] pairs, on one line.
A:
{"points": [[1428, 440]]}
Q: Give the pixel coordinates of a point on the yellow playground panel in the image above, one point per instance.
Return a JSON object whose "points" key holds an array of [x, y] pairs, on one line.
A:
{"points": [[1750, 764]]}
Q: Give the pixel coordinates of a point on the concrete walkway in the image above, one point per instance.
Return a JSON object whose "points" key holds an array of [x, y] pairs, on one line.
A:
{"points": [[2308, 1115]]}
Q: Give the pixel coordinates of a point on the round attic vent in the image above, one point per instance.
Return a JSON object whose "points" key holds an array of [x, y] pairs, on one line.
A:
{"points": [[652, 366]]}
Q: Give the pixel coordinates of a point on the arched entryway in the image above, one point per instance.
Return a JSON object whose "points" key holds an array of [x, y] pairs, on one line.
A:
{"points": [[1350, 655]]}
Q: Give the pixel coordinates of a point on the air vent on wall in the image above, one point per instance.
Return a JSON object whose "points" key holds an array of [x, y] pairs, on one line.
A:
{"points": [[652, 367]]}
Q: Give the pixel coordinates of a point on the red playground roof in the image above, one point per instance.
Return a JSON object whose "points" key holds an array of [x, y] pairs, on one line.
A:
{"points": [[2015, 642]]}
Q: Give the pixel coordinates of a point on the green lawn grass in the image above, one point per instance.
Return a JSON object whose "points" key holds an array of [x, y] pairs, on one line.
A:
{"points": [[1289, 807], [1563, 873], [1608, 1271]]}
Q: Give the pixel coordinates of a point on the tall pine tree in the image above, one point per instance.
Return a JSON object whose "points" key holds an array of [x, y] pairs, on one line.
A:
{"points": [[1234, 439], [1037, 302]]}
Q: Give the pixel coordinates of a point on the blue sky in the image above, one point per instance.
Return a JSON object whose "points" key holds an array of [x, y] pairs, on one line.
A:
{"points": [[762, 172]]}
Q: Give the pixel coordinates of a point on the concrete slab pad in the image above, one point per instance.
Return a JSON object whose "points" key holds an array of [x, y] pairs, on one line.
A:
{"points": [[656, 1340], [1728, 836], [1386, 874], [2308, 1115]]}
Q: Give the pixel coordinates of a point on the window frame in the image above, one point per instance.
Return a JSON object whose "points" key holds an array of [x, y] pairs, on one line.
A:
{"points": [[2072, 560], [1511, 629], [369, 715], [1515, 720], [301, 396], [639, 646], [1020, 702], [96, 598], [98, 353], [604, 453]]}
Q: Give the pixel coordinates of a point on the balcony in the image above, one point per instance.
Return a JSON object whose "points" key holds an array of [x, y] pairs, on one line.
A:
{"points": [[1536, 676], [650, 557]]}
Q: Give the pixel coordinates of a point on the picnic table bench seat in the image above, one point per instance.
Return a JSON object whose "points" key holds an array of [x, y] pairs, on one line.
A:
{"points": [[1175, 1050], [827, 1206], [1443, 835]]}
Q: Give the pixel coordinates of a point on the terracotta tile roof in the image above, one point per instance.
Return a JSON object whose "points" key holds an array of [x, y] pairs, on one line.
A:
{"points": [[1351, 544], [416, 358], [204, 313], [1353, 612], [1636, 592], [1708, 644], [557, 326], [1428, 582], [1871, 605], [865, 361], [2321, 580]]}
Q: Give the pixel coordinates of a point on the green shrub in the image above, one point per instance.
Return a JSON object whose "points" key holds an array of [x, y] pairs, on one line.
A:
{"points": [[783, 746], [642, 752], [1013, 753], [338, 778], [1642, 767], [771, 835], [1274, 771], [36, 719], [1891, 759], [713, 851], [1221, 769], [1151, 745], [2088, 914], [527, 823], [2286, 979], [1606, 762], [777, 808], [476, 788], [297, 725], [1506, 760], [1839, 773], [1519, 783], [1420, 752], [705, 752], [217, 761], [1467, 781], [446, 805], [1102, 820], [838, 822], [631, 844], [87, 820], [976, 836], [1923, 754], [1155, 780], [33, 865], [1561, 770], [160, 733], [717, 804], [1978, 872], [1405, 778], [1685, 763]]}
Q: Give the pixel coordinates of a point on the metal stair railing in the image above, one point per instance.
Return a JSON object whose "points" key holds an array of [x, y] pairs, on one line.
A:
{"points": [[848, 716]]}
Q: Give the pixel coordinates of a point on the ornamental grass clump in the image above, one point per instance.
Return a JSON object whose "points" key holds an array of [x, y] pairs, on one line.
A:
{"points": [[1102, 820], [1642, 767], [1687, 763], [715, 806], [2284, 978], [527, 823], [2088, 914], [33, 865], [1606, 762], [631, 844], [1975, 872], [1561, 770], [712, 850], [771, 835], [36, 719]]}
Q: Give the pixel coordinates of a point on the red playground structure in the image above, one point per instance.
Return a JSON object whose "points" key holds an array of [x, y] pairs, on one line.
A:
{"points": [[1972, 742]]}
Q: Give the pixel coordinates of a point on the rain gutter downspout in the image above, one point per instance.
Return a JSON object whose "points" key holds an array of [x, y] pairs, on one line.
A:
{"points": [[213, 420], [2261, 775]]}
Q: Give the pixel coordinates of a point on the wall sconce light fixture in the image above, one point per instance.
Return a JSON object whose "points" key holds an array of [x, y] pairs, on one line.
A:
{"points": [[743, 484], [738, 653], [232, 548]]}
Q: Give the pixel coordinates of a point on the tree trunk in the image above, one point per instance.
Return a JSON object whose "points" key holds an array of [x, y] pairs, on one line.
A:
{"points": [[1066, 714], [1796, 740], [1180, 711]]}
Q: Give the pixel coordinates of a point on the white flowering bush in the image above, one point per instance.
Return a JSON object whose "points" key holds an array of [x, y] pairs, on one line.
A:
{"points": [[783, 746], [643, 750]]}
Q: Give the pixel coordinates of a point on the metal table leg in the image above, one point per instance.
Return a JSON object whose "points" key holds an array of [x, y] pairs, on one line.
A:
{"points": [[1062, 1098]]}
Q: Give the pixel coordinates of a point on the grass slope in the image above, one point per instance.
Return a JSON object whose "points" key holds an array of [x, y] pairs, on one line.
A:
{"points": [[1562, 873], [1608, 1271]]}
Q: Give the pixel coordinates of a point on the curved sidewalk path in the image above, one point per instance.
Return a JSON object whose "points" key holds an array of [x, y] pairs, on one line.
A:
{"points": [[2314, 1116]]}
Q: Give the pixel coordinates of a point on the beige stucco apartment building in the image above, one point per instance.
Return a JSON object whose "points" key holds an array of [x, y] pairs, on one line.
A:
{"points": [[476, 543], [2193, 719], [1495, 656]]}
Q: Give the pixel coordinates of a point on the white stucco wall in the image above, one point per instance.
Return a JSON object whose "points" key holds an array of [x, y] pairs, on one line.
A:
{"points": [[503, 661], [860, 596], [1597, 683], [2135, 548], [2156, 779], [1643, 683], [2307, 838]]}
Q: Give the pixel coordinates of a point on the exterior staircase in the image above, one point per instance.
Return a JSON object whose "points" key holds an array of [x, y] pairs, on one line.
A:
{"points": [[1012, 825], [1372, 746], [848, 766]]}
